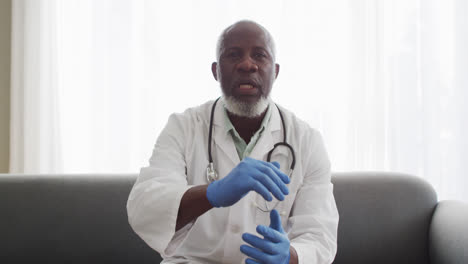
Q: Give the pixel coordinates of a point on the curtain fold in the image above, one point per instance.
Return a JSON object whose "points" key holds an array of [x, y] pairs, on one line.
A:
{"points": [[35, 127], [93, 82]]}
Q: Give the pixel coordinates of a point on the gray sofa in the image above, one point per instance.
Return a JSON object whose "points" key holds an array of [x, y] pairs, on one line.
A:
{"points": [[384, 218]]}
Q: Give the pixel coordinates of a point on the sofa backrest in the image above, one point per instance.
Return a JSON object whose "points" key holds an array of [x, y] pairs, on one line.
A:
{"points": [[68, 219], [384, 218]]}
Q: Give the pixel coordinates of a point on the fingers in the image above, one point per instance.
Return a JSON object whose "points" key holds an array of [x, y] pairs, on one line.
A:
{"points": [[271, 182], [261, 249], [270, 177], [277, 165], [254, 253], [275, 221], [251, 261], [272, 248], [270, 233], [257, 242], [275, 177], [262, 190], [276, 168]]}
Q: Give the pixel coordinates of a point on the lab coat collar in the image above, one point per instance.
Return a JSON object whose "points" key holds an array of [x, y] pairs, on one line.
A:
{"points": [[269, 137]]}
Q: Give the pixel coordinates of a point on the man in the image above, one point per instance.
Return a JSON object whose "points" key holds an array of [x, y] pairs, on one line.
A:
{"points": [[252, 211]]}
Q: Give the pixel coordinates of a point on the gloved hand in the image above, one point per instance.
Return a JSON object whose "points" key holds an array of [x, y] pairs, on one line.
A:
{"points": [[273, 248], [249, 175]]}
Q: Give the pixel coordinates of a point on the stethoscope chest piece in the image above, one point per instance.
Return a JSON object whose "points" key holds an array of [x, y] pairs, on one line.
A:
{"points": [[211, 174]]}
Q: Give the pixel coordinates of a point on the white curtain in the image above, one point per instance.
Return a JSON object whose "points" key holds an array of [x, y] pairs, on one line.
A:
{"points": [[94, 81]]}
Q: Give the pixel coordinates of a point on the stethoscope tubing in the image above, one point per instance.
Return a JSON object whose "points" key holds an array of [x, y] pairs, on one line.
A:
{"points": [[210, 170], [212, 175]]}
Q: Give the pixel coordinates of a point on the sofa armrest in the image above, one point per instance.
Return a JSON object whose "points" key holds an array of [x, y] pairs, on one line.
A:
{"points": [[448, 234]]}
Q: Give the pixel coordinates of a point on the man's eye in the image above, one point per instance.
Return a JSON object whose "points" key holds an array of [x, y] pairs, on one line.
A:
{"points": [[233, 54], [260, 55]]}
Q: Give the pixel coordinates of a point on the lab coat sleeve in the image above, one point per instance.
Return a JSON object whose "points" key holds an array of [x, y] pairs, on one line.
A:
{"points": [[314, 216], [154, 200]]}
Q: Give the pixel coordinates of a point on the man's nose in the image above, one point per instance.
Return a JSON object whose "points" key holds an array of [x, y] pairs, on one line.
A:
{"points": [[247, 65]]}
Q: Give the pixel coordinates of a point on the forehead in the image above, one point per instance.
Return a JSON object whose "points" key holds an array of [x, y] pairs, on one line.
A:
{"points": [[246, 35]]}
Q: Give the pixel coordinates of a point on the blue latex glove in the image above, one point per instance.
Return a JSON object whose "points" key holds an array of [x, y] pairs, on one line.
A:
{"points": [[273, 248], [249, 175]]}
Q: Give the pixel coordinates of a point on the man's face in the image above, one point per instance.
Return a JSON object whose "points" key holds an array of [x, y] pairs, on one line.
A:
{"points": [[246, 68]]}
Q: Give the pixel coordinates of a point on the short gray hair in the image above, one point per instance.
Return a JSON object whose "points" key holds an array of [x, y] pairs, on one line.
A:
{"points": [[222, 37]]}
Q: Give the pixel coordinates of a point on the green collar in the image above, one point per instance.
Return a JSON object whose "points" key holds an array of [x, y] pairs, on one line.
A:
{"points": [[244, 150]]}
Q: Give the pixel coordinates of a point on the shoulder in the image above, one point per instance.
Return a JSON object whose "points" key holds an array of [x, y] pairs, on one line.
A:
{"points": [[310, 146], [297, 126], [193, 115], [183, 126], [306, 139]]}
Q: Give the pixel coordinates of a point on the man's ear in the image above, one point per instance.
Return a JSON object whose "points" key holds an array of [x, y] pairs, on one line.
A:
{"points": [[214, 70], [277, 67]]}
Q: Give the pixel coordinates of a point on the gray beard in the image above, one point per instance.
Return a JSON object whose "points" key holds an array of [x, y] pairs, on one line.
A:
{"points": [[240, 108]]}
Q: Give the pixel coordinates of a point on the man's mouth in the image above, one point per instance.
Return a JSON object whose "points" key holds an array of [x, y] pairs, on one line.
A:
{"points": [[247, 89]]}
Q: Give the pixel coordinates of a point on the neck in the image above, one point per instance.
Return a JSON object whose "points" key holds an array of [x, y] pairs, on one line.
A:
{"points": [[246, 126]]}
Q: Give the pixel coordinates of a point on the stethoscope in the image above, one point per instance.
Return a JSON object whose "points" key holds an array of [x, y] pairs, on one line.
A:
{"points": [[212, 175]]}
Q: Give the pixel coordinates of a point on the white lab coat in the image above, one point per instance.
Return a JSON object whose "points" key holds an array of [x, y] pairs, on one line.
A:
{"points": [[179, 161]]}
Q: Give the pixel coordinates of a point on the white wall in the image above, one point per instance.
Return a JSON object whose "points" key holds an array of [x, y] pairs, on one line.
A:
{"points": [[5, 39]]}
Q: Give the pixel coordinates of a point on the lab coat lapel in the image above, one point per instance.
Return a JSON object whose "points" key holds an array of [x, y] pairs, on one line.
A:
{"points": [[271, 136], [220, 135]]}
